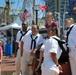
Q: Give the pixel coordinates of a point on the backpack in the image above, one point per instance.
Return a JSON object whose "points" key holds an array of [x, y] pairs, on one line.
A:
{"points": [[64, 56]]}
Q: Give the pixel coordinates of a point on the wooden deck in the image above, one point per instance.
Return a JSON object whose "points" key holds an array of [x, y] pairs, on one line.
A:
{"points": [[8, 66]]}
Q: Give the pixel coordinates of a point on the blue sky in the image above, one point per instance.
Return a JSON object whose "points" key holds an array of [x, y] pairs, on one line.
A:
{"points": [[40, 13], [18, 4], [15, 4]]}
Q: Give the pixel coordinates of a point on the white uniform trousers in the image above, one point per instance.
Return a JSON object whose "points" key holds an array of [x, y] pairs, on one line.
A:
{"points": [[48, 72], [18, 62], [25, 60], [48, 68], [72, 58]]}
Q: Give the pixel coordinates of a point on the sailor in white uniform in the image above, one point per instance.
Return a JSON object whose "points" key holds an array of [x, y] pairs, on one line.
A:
{"points": [[71, 44], [29, 44], [50, 65], [19, 36]]}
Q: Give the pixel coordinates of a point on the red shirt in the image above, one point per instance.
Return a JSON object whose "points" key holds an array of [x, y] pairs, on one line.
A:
{"points": [[53, 24]]}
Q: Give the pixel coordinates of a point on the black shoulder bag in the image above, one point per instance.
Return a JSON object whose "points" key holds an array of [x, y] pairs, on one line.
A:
{"points": [[64, 56]]}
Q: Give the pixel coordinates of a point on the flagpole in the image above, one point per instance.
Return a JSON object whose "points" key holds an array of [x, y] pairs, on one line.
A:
{"points": [[33, 8], [36, 10], [58, 19], [64, 16]]}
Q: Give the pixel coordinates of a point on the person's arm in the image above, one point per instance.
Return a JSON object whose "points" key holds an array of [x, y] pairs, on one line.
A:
{"points": [[34, 51], [0, 56], [40, 60], [54, 57], [16, 48], [16, 44], [41, 55], [21, 48]]}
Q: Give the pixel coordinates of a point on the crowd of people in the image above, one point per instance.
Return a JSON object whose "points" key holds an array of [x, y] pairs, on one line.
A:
{"points": [[28, 42]]}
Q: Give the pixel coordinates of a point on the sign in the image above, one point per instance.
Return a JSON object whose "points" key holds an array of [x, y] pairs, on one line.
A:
{"points": [[43, 7], [73, 9], [72, 6]]}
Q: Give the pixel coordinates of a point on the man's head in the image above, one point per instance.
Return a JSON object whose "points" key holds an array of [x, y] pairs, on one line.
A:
{"points": [[49, 16], [24, 26], [52, 31], [69, 21], [35, 29]]}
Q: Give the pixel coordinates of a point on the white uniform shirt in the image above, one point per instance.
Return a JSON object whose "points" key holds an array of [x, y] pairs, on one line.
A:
{"points": [[59, 51], [72, 37], [19, 35], [27, 41], [51, 45]]}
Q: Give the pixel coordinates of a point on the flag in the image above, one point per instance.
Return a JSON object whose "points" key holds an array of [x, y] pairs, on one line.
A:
{"points": [[24, 14], [72, 7], [43, 7]]}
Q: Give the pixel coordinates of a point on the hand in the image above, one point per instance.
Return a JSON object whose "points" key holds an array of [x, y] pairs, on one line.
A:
{"points": [[60, 68], [37, 69], [33, 52], [15, 54], [29, 64]]}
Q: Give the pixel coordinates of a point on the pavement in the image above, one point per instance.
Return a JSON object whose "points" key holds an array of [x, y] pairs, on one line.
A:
{"points": [[8, 66]]}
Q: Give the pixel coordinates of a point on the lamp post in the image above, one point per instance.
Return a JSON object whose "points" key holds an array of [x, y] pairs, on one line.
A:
{"points": [[58, 18], [36, 9], [64, 20], [64, 15], [7, 10]]}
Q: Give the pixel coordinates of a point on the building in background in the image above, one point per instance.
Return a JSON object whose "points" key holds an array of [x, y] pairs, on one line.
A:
{"points": [[62, 9]]}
